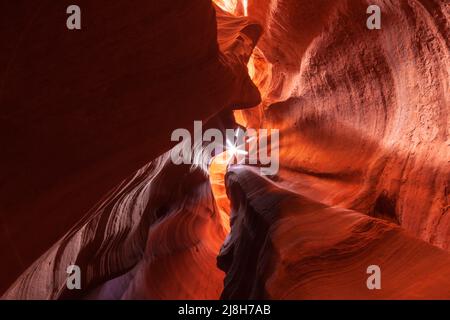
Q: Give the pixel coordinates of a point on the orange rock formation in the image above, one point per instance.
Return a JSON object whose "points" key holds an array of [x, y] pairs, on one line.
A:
{"points": [[85, 123]]}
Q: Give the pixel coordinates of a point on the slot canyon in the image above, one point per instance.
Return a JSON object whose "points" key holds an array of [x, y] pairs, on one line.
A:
{"points": [[87, 178]]}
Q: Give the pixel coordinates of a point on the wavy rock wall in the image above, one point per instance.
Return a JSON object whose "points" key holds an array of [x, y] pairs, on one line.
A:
{"points": [[363, 119], [194, 74], [363, 114], [284, 245]]}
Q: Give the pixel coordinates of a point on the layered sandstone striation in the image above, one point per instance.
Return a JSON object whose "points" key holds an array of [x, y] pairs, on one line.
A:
{"points": [[363, 119], [364, 151], [93, 144], [284, 245], [363, 114]]}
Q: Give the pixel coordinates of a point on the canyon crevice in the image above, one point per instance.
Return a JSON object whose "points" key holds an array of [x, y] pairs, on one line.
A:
{"points": [[364, 150]]}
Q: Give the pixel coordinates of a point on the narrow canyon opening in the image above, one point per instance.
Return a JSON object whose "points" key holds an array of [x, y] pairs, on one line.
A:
{"points": [[363, 177]]}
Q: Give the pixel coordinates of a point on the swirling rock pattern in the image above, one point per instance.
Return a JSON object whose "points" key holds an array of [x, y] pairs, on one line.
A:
{"points": [[363, 115], [364, 151], [363, 119], [286, 246], [101, 142]]}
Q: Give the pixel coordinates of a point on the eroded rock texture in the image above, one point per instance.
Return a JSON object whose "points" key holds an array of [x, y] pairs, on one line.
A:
{"points": [[363, 114], [302, 249], [364, 150], [64, 156], [364, 126]]}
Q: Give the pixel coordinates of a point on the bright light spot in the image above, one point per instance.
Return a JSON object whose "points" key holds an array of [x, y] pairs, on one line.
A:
{"points": [[232, 5], [227, 5], [233, 150]]}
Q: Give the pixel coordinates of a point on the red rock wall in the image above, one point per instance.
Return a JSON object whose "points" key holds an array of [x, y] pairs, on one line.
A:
{"points": [[363, 119], [284, 245], [82, 111], [363, 113], [364, 153]]}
